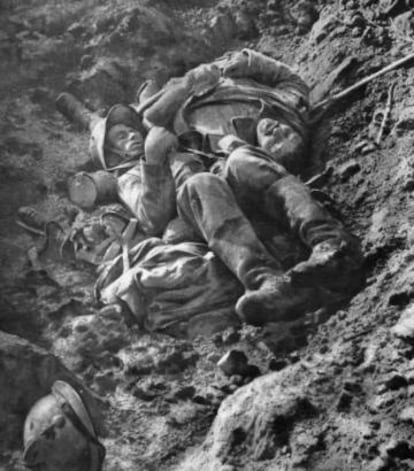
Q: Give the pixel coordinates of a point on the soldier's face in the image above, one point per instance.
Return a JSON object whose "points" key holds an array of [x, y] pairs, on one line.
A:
{"points": [[279, 139], [125, 142]]}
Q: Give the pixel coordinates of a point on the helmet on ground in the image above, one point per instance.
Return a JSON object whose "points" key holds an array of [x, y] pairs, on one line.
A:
{"points": [[118, 114], [59, 433]]}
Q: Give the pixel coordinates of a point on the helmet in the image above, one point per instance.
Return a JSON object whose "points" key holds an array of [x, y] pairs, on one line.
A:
{"points": [[59, 434], [118, 114]]}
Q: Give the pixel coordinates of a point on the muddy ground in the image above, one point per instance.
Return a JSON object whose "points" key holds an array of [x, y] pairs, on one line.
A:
{"points": [[344, 400]]}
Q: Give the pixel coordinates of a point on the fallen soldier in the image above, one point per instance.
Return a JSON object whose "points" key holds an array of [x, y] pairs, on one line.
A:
{"points": [[254, 182], [212, 252]]}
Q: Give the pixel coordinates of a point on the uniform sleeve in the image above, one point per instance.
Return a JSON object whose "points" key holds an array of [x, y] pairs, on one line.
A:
{"points": [[270, 72], [149, 192]]}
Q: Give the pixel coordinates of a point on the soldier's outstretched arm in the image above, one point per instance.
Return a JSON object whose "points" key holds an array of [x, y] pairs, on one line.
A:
{"points": [[263, 69]]}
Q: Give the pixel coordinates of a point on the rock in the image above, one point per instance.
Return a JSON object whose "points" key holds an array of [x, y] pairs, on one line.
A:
{"points": [[254, 422], [237, 380], [230, 336], [407, 415], [368, 148], [322, 28], [398, 449], [213, 357], [27, 373], [347, 170], [377, 403], [105, 382], [344, 402], [378, 464], [234, 362], [394, 382], [405, 122], [181, 393], [405, 325], [304, 14], [148, 389], [176, 361], [277, 364], [86, 62], [92, 337]]}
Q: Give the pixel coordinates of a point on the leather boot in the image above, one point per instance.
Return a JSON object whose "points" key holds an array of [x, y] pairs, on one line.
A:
{"points": [[336, 259], [274, 300]]}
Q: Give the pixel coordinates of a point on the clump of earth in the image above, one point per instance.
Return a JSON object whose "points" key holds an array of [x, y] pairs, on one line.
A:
{"points": [[340, 397]]}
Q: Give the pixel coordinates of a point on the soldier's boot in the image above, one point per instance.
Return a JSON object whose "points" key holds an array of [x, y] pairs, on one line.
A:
{"points": [[335, 261], [275, 299]]}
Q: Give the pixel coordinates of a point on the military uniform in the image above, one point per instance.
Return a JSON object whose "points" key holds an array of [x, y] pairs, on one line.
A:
{"points": [[248, 214]]}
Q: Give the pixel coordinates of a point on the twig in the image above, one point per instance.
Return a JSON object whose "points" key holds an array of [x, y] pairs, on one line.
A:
{"points": [[338, 96], [386, 116]]}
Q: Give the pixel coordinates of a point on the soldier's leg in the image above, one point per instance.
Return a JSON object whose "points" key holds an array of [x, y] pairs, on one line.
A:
{"points": [[207, 203], [336, 258]]}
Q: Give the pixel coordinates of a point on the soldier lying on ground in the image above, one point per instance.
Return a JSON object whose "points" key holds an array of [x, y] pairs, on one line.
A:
{"points": [[253, 182], [270, 107]]}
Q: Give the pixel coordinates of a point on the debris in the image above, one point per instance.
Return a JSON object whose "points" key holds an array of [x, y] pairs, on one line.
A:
{"points": [[368, 149], [407, 415], [234, 362], [394, 382], [74, 110], [230, 336], [405, 326], [386, 115], [347, 170], [344, 402], [277, 364]]}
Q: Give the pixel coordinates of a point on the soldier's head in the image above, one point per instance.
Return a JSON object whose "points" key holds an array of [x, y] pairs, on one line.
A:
{"points": [[59, 434], [283, 142], [278, 138], [118, 138]]}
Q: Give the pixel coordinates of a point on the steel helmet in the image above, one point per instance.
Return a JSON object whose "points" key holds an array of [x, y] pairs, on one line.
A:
{"points": [[59, 433], [118, 114]]}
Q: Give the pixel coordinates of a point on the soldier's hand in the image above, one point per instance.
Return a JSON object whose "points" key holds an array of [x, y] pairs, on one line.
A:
{"points": [[203, 78], [159, 144], [237, 65]]}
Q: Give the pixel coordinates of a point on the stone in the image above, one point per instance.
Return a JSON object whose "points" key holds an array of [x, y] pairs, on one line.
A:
{"points": [[181, 393], [237, 380], [304, 14], [344, 402], [347, 170], [323, 27], [405, 325], [255, 421], [397, 448], [105, 382], [213, 357], [405, 122], [230, 336], [394, 381], [381, 401], [277, 364], [234, 362], [407, 415], [371, 147]]}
